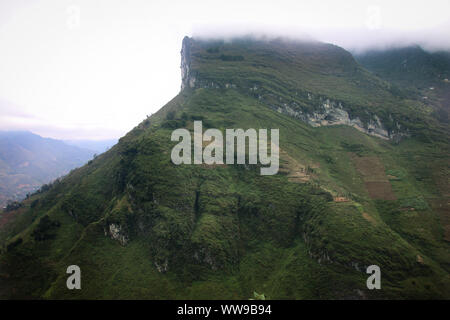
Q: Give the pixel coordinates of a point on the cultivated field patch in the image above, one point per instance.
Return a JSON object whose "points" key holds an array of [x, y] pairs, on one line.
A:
{"points": [[295, 171], [374, 176]]}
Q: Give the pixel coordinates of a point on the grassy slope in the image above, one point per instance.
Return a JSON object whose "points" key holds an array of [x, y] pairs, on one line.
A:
{"points": [[292, 70], [248, 232]]}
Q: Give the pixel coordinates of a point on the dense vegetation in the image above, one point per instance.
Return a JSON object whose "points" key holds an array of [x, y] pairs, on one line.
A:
{"points": [[140, 227], [423, 75]]}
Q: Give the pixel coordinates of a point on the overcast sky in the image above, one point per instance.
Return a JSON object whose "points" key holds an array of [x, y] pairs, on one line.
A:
{"points": [[94, 69]]}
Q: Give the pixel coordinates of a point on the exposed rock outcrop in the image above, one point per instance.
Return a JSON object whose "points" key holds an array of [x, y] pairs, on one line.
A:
{"points": [[116, 233], [187, 80], [316, 111], [332, 113], [162, 266]]}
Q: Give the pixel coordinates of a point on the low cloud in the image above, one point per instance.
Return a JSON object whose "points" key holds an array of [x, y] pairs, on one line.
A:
{"points": [[356, 40], [100, 76], [13, 119]]}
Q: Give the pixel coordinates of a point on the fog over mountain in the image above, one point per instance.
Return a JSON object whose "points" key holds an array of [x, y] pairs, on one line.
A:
{"points": [[362, 182], [69, 68], [353, 39]]}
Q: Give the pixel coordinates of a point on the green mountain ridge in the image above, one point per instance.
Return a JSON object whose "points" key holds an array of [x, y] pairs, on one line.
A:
{"points": [[410, 66], [424, 75], [348, 194], [305, 79]]}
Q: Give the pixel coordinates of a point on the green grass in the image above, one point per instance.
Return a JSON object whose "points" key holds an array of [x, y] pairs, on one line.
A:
{"points": [[227, 232]]}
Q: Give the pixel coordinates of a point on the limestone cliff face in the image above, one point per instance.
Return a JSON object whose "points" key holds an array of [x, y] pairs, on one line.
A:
{"points": [[187, 80], [116, 233], [331, 113], [316, 111]]}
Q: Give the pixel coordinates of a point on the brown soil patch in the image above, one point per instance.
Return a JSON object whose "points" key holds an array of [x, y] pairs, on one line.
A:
{"points": [[373, 174], [419, 259], [369, 218], [442, 207], [295, 171], [315, 165], [369, 166], [406, 209], [340, 199], [380, 190]]}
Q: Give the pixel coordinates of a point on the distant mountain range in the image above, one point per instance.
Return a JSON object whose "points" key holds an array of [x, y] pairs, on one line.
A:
{"points": [[99, 146], [28, 160]]}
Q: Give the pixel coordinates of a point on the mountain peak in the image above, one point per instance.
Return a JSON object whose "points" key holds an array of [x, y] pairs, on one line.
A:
{"points": [[318, 83], [214, 62]]}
